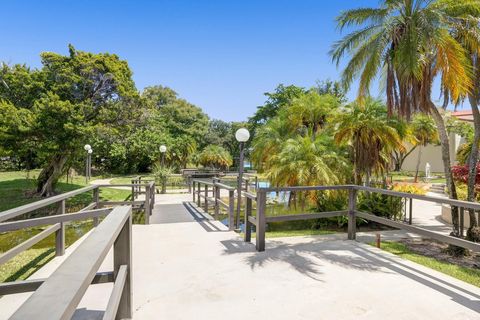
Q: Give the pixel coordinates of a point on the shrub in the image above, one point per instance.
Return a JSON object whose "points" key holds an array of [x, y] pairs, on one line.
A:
{"points": [[460, 174], [409, 188], [381, 205]]}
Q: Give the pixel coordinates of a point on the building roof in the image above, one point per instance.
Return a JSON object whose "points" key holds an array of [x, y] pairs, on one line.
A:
{"points": [[464, 115]]}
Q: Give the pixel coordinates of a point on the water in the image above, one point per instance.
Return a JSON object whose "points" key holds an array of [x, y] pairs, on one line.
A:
{"points": [[280, 197]]}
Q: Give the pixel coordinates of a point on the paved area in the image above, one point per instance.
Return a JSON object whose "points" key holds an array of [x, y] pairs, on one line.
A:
{"points": [[187, 266], [428, 215]]}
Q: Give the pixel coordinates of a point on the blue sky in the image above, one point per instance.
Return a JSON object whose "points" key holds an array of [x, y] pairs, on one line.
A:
{"points": [[219, 55]]}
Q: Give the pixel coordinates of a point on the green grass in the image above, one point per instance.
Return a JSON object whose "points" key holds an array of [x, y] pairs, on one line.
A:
{"points": [[469, 275], [16, 190]]}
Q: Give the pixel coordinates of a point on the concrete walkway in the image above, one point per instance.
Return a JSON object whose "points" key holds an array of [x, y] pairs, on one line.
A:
{"points": [[186, 266]]}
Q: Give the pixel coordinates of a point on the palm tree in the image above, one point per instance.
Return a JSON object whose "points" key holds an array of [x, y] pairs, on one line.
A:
{"points": [[425, 132], [215, 157], [371, 135], [467, 32], [411, 42], [307, 161]]}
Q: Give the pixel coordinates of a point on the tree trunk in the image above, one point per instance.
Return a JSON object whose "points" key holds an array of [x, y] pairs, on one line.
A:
{"points": [[418, 163], [48, 177], [445, 144], [473, 160]]}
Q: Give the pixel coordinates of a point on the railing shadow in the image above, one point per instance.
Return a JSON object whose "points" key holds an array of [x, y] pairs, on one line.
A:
{"points": [[84, 313], [429, 280], [203, 219], [307, 258], [303, 257]]}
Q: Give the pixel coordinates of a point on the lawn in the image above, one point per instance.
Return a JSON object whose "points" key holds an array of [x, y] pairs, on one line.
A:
{"points": [[469, 275], [17, 188], [406, 176]]}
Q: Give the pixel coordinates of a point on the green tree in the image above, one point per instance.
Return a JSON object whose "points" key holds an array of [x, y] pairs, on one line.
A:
{"points": [[80, 92], [216, 157], [296, 146], [371, 135], [412, 42]]}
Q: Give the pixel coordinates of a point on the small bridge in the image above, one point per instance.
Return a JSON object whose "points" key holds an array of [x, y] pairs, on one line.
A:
{"points": [[185, 264]]}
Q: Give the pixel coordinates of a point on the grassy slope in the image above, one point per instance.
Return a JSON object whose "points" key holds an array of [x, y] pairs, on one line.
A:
{"points": [[469, 275], [16, 190]]}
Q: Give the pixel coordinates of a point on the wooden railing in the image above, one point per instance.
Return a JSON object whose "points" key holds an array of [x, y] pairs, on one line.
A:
{"points": [[58, 296], [201, 190], [58, 222], [260, 220]]}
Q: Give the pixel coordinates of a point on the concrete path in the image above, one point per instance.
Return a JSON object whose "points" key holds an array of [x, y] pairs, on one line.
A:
{"points": [[427, 215], [186, 266]]}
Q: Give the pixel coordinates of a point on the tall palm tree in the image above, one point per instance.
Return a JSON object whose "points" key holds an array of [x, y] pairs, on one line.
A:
{"points": [[371, 135], [410, 41], [425, 132], [467, 32]]}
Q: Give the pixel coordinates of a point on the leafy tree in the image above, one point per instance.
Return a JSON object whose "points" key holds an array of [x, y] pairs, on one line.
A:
{"points": [[371, 136], [159, 96], [79, 93], [216, 157], [330, 87], [282, 96], [219, 133]]}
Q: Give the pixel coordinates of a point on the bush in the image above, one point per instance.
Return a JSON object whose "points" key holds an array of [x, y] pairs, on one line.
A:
{"points": [[381, 205], [460, 174], [408, 188]]}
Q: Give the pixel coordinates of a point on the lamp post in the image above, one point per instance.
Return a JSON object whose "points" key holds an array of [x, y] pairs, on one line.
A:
{"points": [[163, 149], [88, 162], [242, 135]]}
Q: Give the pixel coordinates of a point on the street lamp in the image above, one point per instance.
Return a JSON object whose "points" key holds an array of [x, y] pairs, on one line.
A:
{"points": [[88, 163], [242, 135], [163, 149]]}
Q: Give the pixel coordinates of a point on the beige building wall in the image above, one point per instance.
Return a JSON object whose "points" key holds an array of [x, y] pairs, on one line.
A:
{"points": [[433, 155]]}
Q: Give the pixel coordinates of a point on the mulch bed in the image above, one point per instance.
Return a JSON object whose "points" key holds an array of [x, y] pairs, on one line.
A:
{"points": [[437, 250]]}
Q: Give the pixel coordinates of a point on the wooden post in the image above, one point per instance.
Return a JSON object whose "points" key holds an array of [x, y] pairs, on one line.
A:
{"points": [[146, 205], [247, 181], [205, 204], [60, 233], [193, 191], [261, 223], [462, 220], [133, 189], [352, 223], [248, 224], [153, 197], [122, 255], [410, 211], [377, 240], [217, 198], [198, 195], [231, 210], [96, 199]]}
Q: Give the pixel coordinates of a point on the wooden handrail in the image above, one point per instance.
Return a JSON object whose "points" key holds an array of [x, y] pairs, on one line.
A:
{"points": [[64, 289], [14, 212]]}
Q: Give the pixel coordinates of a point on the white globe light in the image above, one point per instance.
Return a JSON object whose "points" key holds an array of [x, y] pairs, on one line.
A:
{"points": [[242, 135], [163, 148], [90, 151], [87, 147]]}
